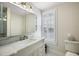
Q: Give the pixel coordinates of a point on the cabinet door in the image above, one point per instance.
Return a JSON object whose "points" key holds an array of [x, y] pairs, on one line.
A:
{"points": [[39, 51]]}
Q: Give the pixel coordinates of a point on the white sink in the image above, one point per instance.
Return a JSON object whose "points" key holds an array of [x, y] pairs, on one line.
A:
{"points": [[72, 46]]}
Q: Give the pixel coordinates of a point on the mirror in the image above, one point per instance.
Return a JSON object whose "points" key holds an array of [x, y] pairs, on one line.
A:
{"points": [[12, 24], [31, 23], [3, 21]]}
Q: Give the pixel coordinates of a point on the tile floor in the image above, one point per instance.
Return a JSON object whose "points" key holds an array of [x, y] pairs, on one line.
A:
{"points": [[51, 54]]}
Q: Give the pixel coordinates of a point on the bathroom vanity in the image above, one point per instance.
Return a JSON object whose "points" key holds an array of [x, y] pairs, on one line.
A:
{"points": [[19, 21], [27, 47]]}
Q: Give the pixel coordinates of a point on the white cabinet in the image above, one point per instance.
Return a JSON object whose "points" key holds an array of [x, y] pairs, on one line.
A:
{"points": [[39, 51], [36, 49]]}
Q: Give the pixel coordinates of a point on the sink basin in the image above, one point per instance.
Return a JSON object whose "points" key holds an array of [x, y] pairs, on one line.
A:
{"points": [[72, 46]]}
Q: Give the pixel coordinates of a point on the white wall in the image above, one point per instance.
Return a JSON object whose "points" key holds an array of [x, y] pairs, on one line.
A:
{"points": [[68, 18]]}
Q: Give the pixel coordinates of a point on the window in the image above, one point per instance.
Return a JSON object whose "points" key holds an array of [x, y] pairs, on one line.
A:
{"points": [[48, 25]]}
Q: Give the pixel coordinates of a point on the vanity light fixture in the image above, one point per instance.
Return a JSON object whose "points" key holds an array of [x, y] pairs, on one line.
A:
{"points": [[26, 5]]}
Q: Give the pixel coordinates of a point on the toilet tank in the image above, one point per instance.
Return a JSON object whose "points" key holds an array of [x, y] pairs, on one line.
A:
{"points": [[72, 46]]}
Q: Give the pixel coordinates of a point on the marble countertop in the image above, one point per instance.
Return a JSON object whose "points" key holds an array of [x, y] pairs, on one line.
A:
{"points": [[13, 48]]}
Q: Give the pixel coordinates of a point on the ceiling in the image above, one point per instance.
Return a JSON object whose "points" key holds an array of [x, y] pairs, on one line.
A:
{"points": [[45, 5]]}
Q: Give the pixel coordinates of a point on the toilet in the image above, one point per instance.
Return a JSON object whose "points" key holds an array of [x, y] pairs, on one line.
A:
{"points": [[71, 46], [70, 54]]}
